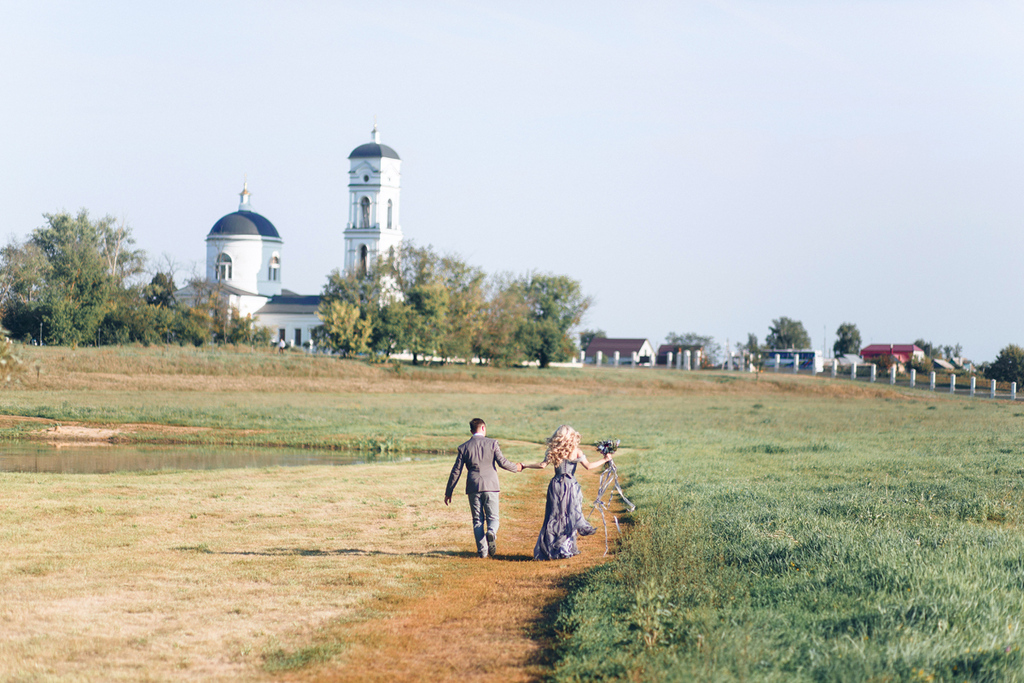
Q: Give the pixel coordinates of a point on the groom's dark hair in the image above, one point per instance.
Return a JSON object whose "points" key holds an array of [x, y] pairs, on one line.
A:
{"points": [[475, 424]]}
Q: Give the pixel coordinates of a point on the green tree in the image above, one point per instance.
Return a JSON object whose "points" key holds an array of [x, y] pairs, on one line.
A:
{"points": [[411, 284], [556, 304], [498, 341], [390, 328], [433, 305], [1008, 366], [23, 270], [425, 322], [207, 318], [344, 330], [785, 333], [387, 322], [363, 292], [77, 284], [116, 242], [126, 319], [847, 340], [160, 290], [245, 329], [465, 287], [930, 350], [191, 325]]}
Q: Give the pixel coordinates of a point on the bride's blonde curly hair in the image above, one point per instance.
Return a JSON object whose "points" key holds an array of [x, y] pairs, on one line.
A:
{"points": [[562, 445]]}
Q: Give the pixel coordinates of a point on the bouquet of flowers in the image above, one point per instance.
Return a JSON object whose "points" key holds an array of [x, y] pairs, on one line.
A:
{"points": [[607, 446]]}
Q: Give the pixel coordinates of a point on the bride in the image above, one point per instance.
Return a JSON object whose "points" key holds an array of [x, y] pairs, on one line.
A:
{"points": [[563, 517]]}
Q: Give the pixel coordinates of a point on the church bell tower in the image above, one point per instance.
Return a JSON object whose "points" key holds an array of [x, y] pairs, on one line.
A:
{"points": [[373, 229]]}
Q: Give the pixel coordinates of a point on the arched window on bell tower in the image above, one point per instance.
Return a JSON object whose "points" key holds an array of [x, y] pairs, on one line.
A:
{"points": [[365, 217], [363, 258], [273, 271], [223, 267], [389, 214]]}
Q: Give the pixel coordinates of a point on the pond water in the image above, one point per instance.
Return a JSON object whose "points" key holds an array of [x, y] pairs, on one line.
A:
{"points": [[106, 459]]}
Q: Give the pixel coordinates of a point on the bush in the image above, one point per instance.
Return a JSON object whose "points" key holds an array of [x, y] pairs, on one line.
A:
{"points": [[884, 362], [921, 364], [10, 363]]}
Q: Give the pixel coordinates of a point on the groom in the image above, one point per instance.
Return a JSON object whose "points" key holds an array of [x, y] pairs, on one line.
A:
{"points": [[479, 455]]}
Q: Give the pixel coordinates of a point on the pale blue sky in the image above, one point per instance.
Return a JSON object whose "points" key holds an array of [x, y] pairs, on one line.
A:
{"points": [[703, 166]]}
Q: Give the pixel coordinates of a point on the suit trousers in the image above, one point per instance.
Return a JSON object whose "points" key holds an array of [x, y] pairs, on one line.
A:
{"points": [[484, 507]]}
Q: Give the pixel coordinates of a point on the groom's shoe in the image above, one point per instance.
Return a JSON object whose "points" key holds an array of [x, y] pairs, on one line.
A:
{"points": [[492, 545]]}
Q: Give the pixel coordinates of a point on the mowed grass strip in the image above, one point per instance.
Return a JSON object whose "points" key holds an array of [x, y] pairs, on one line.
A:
{"points": [[797, 540]]}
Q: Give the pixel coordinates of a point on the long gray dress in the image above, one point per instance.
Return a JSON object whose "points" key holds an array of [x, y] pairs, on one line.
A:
{"points": [[563, 517]]}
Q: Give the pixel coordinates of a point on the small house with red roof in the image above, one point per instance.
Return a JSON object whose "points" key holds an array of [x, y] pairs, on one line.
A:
{"points": [[902, 353], [630, 351]]}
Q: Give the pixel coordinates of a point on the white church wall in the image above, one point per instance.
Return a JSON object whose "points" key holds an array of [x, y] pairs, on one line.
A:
{"points": [[290, 322], [247, 305], [250, 256], [265, 285]]}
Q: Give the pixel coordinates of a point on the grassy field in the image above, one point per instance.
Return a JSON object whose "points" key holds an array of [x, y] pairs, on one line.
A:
{"points": [[788, 528], [815, 540]]}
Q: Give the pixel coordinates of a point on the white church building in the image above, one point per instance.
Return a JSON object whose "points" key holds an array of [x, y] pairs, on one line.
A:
{"points": [[244, 251]]}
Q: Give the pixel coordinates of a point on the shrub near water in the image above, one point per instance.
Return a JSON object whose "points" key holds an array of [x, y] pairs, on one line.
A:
{"points": [[811, 561]]}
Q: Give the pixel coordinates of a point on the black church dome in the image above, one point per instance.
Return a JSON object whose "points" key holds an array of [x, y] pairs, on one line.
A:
{"points": [[373, 150], [244, 223]]}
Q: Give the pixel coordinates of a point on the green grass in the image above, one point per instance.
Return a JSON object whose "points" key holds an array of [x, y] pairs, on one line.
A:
{"points": [[837, 540], [278, 660]]}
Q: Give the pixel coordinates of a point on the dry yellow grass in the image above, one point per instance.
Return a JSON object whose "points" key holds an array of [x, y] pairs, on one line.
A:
{"points": [[202, 574]]}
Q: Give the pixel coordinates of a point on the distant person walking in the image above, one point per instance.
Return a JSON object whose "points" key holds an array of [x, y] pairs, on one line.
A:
{"points": [[481, 457], [281, 345]]}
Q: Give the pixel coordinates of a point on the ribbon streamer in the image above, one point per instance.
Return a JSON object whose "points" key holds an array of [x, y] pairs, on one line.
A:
{"points": [[609, 477]]}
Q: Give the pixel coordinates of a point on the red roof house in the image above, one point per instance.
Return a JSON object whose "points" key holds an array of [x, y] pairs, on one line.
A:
{"points": [[901, 352]]}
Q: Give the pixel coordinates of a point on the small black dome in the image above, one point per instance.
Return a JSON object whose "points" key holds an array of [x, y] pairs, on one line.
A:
{"points": [[244, 223], [373, 150]]}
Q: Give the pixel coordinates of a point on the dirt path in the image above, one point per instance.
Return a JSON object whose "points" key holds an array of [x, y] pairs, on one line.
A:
{"points": [[483, 620]]}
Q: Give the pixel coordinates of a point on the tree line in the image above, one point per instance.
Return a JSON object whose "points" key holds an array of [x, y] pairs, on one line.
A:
{"points": [[438, 306], [79, 281]]}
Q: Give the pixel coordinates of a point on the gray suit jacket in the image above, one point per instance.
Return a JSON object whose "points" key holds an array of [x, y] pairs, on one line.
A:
{"points": [[479, 456]]}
